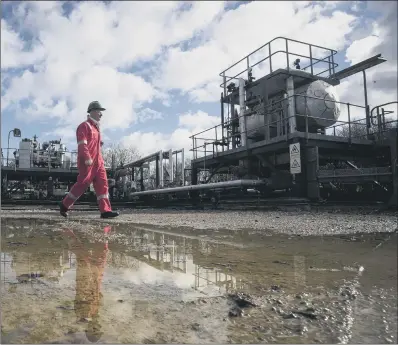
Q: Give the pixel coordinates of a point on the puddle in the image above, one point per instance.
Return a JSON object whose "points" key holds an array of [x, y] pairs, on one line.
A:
{"points": [[78, 283]]}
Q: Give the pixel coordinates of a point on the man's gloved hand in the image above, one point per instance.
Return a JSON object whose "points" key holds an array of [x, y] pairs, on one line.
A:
{"points": [[89, 162]]}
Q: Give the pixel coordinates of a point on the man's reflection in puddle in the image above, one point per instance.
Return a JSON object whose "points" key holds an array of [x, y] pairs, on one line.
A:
{"points": [[90, 265]]}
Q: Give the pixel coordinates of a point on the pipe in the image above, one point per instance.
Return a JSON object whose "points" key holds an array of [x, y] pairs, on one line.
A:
{"points": [[365, 91], [171, 167], [227, 184], [145, 159], [291, 116], [183, 167], [8, 146], [233, 125], [222, 112], [242, 118], [161, 175]]}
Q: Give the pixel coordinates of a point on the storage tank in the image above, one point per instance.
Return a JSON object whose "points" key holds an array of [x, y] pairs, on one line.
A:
{"points": [[25, 153], [323, 108], [66, 162]]}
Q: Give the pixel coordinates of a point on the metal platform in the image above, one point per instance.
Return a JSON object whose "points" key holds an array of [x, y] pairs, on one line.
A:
{"points": [[18, 174], [281, 145], [354, 176], [265, 115]]}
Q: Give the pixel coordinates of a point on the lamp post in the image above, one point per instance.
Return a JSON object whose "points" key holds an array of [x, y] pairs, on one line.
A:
{"points": [[17, 133]]}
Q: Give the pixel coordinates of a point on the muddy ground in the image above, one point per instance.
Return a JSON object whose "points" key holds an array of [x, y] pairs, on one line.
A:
{"points": [[292, 220], [231, 280]]}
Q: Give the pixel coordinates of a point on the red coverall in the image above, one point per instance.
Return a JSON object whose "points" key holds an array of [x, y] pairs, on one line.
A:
{"points": [[89, 148]]}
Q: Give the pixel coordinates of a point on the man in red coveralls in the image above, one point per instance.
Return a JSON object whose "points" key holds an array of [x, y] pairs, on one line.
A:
{"points": [[90, 164]]}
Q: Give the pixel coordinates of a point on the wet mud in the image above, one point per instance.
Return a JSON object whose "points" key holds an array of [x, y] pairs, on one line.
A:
{"points": [[123, 283]]}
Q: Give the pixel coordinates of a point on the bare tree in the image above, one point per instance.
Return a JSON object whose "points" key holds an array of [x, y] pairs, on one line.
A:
{"points": [[150, 174], [119, 155], [358, 129], [179, 171]]}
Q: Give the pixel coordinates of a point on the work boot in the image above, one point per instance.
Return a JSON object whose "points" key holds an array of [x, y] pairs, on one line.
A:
{"points": [[109, 214], [63, 210]]}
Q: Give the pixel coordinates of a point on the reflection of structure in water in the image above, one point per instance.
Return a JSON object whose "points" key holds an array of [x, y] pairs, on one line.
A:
{"points": [[7, 265], [174, 253], [165, 252], [25, 267], [193, 256], [171, 253], [213, 276]]}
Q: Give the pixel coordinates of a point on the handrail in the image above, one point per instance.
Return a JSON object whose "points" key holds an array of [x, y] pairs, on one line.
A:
{"points": [[270, 56], [273, 108], [47, 162], [273, 105], [274, 39], [285, 120], [378, 107], [332, 64]]}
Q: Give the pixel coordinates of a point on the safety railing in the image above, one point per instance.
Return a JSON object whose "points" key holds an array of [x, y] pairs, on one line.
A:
{"points": [[29, 159], [351, 129], [373, 127], [355, 172], [311, 54], [378, 115]]}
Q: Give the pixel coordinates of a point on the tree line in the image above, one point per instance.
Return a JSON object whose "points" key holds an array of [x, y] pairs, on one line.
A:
{"points": [[358, 128]]}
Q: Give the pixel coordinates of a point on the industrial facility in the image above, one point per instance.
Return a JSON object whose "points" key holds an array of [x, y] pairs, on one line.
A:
{"points": [[283, 133]]}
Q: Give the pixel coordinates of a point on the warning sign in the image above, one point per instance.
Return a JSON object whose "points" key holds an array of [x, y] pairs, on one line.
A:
{"points": [[295, 158], [294, 149], [296, 164]]}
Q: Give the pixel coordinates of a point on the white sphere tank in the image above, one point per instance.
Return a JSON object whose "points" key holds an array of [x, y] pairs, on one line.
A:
{"points": [[325, 109]]}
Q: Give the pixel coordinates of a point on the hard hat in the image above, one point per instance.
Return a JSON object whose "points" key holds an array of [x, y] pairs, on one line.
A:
{"points": [[95, 105]]}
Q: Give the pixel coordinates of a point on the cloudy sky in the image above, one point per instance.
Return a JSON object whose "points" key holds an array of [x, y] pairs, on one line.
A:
{"points": [[155, 65]]}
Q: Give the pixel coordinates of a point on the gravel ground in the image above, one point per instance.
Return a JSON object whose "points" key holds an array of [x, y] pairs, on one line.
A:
{"points": [[288, 222]]}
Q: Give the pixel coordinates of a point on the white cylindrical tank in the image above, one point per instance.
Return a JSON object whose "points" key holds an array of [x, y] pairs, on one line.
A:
{"points": [[325, 109], [255, 124], [66, 163], [25, 154]]}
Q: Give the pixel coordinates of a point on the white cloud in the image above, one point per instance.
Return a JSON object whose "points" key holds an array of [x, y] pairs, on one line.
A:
{"points": [[149, 114], [382, 79], [198, 120], [361, 49], [207, 93], [189, 124], [66, 134], [76, 59], [13, 52], [243, 30], [83, 51]]}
